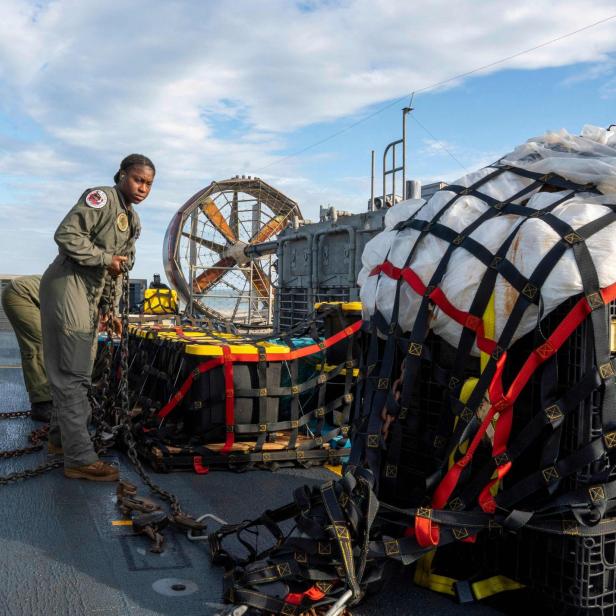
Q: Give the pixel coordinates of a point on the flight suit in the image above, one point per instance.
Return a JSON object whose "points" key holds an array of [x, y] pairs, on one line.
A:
{"points": [[20, 300], [75, 287]]}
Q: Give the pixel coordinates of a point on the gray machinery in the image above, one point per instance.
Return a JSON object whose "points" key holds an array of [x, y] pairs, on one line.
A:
{"points": [[319, 262]]}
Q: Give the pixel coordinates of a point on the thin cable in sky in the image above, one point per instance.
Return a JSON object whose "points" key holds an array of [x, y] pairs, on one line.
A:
{"points": [[438, 142], [432, 87]]}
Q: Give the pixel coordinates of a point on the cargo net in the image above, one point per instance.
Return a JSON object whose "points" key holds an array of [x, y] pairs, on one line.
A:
{"points": [[202, 399], [487, 392]]}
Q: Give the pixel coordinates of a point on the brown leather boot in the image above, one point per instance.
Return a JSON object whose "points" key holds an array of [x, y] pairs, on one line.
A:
{"points": [[97, 471]]}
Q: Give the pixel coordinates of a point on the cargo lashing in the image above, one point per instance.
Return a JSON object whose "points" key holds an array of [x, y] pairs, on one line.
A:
{"points": [[149, 519], [469, 489], [505, 400], [304, 421]]}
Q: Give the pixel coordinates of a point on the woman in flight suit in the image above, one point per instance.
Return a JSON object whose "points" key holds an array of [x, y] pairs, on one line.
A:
{"points": [[96, 240]]}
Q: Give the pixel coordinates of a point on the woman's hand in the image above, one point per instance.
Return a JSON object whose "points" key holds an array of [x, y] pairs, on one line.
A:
{"points": [[115, 267], [116, 324]]}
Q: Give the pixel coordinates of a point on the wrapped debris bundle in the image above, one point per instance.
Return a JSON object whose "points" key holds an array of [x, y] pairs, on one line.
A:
{"points": [[486, 397], [516, 211], [491, 372]]}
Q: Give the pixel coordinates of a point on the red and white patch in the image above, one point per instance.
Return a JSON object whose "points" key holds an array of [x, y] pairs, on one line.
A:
{"points": [[96, 199]]}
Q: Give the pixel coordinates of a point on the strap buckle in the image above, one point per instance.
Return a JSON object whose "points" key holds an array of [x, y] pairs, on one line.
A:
{"points": [[198, 466]]}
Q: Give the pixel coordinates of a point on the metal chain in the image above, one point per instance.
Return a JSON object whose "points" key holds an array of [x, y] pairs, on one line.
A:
{"points": [[36, 437], [100, 415], [125, 419], [103, 410], [15, 414], [30, 472]]}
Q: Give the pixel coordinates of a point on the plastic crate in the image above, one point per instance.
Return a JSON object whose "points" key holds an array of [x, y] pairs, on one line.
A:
{"points": [[336, 316], [582, 425], [574, 574], [285, 408], [419, 458]]}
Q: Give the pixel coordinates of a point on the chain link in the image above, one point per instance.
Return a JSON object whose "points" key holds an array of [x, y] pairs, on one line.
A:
{"points": [[30, 472], [125, 419], [36, 437], [110, 413], [15, 414]]}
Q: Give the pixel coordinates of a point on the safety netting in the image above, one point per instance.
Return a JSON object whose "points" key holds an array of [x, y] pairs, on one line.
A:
{"points": [[486, 391], [204, 399]]}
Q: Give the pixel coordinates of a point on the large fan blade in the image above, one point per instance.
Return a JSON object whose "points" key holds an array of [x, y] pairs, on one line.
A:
{"points": [[210, 209], [212, 275], [207, 243], [259, 279], [234, 219], [271, 227]]}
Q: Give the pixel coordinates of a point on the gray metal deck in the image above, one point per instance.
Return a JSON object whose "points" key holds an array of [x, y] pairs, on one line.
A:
{"points": [[61, 554]]}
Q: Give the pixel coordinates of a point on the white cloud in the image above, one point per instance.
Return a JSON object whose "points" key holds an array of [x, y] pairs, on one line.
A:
{"points": [[209, 90], [437, 147], [607, 90]]}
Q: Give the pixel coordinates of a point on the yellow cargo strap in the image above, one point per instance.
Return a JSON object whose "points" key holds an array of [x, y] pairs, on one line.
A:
{"points": [[345, 306], [470, 384], [329, 368], [482, 589], [424, 576]]}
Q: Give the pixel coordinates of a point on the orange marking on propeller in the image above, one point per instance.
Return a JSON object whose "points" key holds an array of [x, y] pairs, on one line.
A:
{"points": [[210, 209], [271, 227], [259, 281], [211, 275]]}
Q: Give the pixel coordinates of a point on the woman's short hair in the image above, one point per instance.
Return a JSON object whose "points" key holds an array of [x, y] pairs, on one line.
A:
{"points": [[133, 159]]}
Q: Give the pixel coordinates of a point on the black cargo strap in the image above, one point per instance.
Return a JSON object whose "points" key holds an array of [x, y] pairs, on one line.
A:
{"points": [[420, 326], [552, 417], [340, 533], [370, 441], [264, 415], [417, 337], [537, 278], [544, 477]]}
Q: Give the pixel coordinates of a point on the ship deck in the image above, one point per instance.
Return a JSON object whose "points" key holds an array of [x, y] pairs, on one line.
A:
{"points": [[63, 552]]}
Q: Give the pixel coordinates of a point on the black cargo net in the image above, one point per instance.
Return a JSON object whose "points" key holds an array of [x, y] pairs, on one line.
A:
{"points": [[529, 444], [203, 399]]}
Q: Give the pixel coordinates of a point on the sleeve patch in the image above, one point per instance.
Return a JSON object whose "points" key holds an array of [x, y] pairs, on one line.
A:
{"points": [[96, 199]]}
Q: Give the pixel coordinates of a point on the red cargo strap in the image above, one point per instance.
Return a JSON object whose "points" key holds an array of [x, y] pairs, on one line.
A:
{"points": [[450, 480], [542, 353], [229, 400], [504, 404], [198, 466], [437, 296], [427, 532], [252, 358], [296, 598], [180, 393], [307, 350]]}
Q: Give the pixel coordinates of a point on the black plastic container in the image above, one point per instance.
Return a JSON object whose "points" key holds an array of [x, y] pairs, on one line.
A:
{"points": [[336, 316]]}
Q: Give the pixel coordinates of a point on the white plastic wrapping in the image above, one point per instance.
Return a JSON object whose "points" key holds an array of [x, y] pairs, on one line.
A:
{"points": [[590, 158]]}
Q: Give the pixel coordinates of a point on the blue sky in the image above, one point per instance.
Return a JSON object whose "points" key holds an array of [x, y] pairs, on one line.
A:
{"points": [[210, 90]]}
